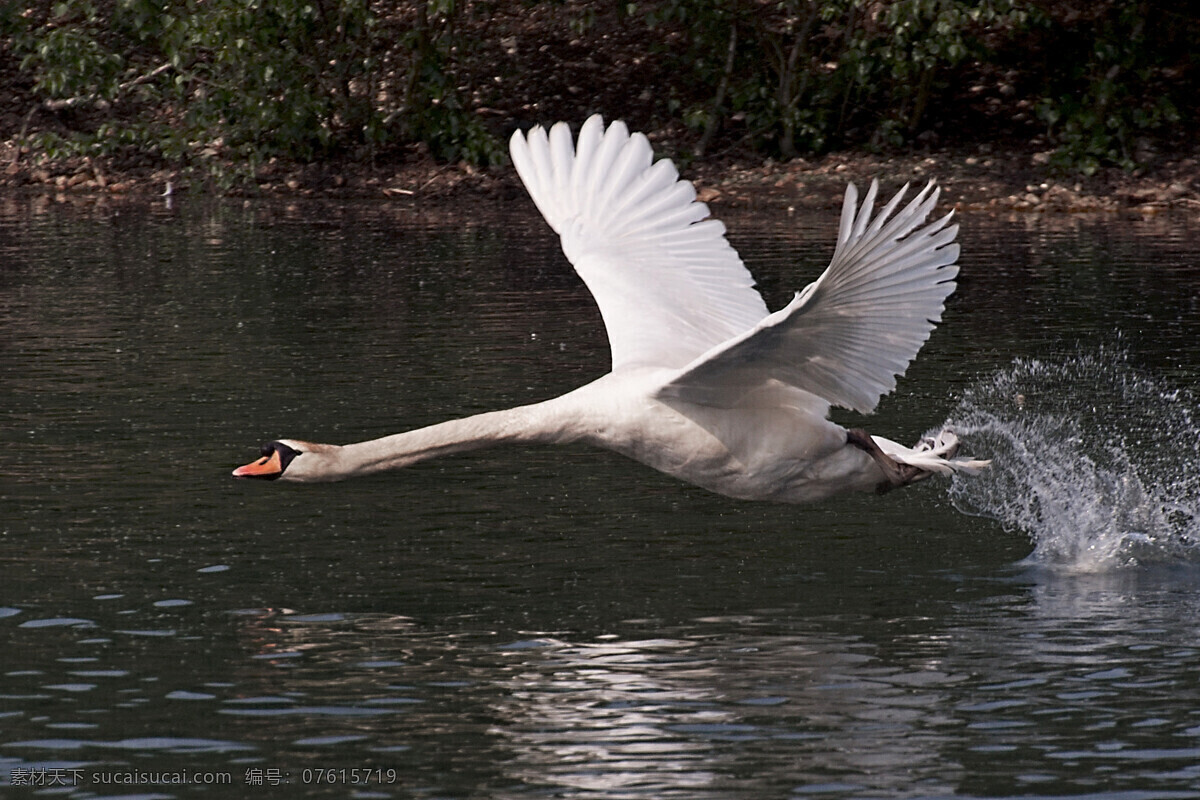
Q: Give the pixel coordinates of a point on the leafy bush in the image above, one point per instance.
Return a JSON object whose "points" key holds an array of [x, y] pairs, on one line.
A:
{"points": [[806, 75], [220, 82], [242, 81], [1115, 73]]}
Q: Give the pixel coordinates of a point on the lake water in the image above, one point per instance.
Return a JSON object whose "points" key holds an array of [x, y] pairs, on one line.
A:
{"points": [[560, 622]]}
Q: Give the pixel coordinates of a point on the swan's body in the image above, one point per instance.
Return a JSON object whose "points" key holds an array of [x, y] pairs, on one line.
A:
{"points": [[706, 385]]}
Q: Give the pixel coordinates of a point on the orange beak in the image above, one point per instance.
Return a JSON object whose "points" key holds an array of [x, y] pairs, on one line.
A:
{"points": [[267, 467]]}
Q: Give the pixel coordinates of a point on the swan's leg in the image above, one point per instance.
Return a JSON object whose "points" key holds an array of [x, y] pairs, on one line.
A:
{"points": [[896, 472]]}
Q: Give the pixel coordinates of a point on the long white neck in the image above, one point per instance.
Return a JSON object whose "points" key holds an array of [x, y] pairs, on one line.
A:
{"points": [[551, 421]]}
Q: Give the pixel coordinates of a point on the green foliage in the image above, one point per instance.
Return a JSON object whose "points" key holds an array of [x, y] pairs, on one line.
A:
{"points": [[1119, 73], [226, 85], [439, 119], [221, 82], [806, 75], [72, 61]]}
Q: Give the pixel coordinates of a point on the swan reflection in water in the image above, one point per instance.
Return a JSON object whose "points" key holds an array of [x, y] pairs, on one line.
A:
{"points": [[662, 717], [694, 714], [1053, 672]]}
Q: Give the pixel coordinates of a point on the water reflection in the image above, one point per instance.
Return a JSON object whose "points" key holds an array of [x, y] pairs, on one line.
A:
{"points": [[532, 622], [1060, 671], [611, 717], [1081, 684], [1090, 688], [683, 717]]}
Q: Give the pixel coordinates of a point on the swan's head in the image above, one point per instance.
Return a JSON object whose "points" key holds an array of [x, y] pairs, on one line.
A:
{"points": [[285, 459]]}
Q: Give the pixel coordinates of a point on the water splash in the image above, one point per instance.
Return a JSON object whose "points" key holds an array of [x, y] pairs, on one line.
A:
{"points": [[1097, 462]]}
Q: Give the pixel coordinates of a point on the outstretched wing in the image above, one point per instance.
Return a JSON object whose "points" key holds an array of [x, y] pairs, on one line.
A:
{"points": [[848, 335], [669, 286]]}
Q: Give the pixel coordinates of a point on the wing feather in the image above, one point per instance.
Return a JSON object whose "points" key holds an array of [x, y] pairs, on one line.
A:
{"points": [[848, 335], [673, 293], [668, 284]]}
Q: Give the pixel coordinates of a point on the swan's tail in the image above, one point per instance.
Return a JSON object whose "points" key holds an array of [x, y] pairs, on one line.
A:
{"points": [[936, 453]]}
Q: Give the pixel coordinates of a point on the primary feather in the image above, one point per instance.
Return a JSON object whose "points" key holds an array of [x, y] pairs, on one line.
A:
{"points": [[848, 335], [673, 292], [668, 284]]}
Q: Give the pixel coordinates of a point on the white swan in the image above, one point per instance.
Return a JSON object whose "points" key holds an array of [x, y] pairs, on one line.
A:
{"points": [[706, 385]]}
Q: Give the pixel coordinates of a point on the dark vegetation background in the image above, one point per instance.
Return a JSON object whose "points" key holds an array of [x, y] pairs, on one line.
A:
{"points": [[237, 94]]}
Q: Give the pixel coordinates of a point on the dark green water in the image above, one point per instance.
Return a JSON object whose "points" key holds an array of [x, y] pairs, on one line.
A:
{"points": [[561, 622]]}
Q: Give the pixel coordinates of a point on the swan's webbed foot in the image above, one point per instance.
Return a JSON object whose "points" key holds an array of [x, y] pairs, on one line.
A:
{"points": [[944, 441], [897, 473]]}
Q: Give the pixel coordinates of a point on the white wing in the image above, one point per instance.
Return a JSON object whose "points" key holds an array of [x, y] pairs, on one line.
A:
{"points": [[669, 286], [848, 335]]}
